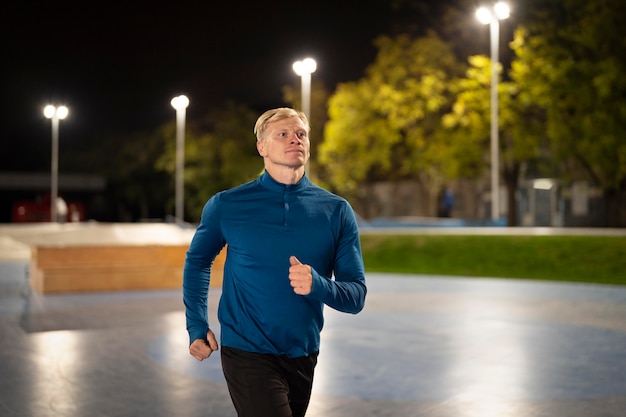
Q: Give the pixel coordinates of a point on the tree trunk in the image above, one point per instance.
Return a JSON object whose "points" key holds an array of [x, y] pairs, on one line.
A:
{"points": [[615, 214], [511, 176]]}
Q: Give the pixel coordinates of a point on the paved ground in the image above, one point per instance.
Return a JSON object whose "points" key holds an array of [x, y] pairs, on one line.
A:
{"points": [[423, 346]]}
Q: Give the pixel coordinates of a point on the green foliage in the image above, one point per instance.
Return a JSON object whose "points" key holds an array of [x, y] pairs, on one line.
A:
{"points": [[520, 122], [222, 157], [468, 119], [386, 126], [596, 259], [568, 62], [140, 168]]}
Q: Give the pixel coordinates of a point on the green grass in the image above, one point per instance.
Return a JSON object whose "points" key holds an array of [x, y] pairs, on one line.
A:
{"points": [[593, 259]]}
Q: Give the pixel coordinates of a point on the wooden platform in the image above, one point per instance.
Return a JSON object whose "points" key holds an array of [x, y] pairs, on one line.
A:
{"points": [[56, 269]]}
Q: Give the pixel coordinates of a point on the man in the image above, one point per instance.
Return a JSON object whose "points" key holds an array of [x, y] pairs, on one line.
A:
{"points": [[293, 247]]}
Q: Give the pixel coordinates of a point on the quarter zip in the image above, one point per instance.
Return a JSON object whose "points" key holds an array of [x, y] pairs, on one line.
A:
{"points": [[286, 190], [286, 206]]}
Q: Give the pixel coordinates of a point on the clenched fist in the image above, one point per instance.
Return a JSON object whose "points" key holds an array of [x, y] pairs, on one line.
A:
{"points": [[300, 276], [202, 349]]}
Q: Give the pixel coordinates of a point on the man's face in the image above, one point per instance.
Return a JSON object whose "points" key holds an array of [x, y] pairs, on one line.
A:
{"points": [[286, 143]]}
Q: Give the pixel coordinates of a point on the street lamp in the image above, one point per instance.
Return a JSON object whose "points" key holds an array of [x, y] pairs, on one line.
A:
{"points": [[180, 104], [304, 69], [55, 114], [492, 17]]}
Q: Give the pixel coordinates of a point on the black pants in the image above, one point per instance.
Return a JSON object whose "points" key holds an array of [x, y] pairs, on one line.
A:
{"points": [[268, 385]]}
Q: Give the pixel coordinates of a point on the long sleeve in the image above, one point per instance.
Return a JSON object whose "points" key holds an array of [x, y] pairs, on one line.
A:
{"points": [[205, 246], [347, 291]]}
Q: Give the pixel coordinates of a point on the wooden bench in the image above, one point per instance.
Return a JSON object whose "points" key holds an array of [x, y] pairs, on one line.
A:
{"points": [[115, 267]]}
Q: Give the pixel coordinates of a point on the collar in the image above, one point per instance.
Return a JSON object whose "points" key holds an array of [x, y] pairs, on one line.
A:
{"points": [[270, 183]]}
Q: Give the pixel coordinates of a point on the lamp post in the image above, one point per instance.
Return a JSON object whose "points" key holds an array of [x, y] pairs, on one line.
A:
{"points": [[304, 69], [180, 104], [54, 114], [492, 17]]}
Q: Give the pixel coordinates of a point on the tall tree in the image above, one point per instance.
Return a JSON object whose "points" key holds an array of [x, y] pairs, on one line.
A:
{"points": [[569, 62], [386, 126], [520, 126]]}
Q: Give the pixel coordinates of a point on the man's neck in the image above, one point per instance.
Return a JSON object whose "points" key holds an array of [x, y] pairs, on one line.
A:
{"points": [[285, 175]]}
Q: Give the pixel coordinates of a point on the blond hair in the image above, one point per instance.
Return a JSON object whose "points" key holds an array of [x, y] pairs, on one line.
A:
{"points": [[274, 115]]}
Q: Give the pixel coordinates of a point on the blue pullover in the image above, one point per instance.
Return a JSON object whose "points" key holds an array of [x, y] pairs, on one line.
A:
{"points": [[264, 222]]}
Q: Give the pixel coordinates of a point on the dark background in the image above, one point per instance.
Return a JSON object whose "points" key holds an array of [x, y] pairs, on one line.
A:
{"points": [[117, 65]]}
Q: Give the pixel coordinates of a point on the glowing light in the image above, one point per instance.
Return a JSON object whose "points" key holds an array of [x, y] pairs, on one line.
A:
{"points": [[500, 11], [306, 66], [52, 112], [180, 102]]}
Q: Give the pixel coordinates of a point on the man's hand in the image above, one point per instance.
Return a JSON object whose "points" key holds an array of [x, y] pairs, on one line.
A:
{"points": [[300, 276], [202, 349]]}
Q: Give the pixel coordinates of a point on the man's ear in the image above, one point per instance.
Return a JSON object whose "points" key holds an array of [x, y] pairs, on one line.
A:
{"points": [[260, 147]]}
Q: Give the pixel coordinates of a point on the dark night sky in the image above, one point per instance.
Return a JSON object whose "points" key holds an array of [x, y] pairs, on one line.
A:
{"points": [[117, 65]]}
